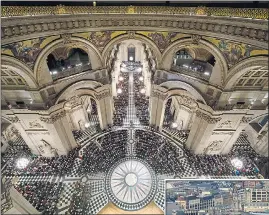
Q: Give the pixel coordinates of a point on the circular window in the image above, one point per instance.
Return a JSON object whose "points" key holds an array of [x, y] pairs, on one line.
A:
{"points": [[131, 184]]}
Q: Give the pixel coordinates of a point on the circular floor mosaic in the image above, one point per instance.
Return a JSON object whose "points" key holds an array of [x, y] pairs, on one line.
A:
{"points": [[131, 184]]}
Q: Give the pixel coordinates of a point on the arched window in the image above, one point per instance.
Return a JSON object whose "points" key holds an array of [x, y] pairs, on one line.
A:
{"points": [[63, 62]]}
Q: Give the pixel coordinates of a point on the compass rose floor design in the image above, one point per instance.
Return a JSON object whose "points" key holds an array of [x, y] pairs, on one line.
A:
{"points": [[131, 184]]}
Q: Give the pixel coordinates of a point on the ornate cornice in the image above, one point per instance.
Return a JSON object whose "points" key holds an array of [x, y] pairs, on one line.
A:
{"points": [[102, 95], [207, 118], [54, 117], [17, 29], [13, 119], [254, 13]]}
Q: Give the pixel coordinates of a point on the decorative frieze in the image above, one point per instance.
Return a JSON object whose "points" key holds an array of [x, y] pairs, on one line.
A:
{"points": [[245, 119], [54, 117], [186, 100], [102, 95], [215, 145], [13, 119], [16, 30], [222, 133], [35, 124], [196, 39], [207, 118], [66, 38], [225, 124]]}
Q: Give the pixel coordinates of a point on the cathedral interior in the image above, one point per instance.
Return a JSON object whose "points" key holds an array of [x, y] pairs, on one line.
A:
{"points": [[101, 104]]}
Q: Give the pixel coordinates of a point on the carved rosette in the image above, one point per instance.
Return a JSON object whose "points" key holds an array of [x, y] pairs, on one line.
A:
{"points": [[66, 38], [196, 39], [54, 117], [207, 118], [245, 119], [131, 34], [13, 119], [102, 95]]}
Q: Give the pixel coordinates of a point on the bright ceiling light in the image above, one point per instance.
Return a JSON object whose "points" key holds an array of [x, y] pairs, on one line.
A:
{"points": [[119, 90], [131, 58], [22, 163], [237, 163], [54, 72], [141, 78], [174, 125], [121, 78], [206, 73], [143, 91], [87, 125]]}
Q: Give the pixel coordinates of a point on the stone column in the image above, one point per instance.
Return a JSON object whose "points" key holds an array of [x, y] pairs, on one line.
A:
{"points": [[242, 125], [60, 132], [202, 128], [105, 112], [157, 108]]}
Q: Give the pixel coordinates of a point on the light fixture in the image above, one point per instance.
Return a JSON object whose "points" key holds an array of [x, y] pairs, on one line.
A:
{"points": [[174, 125], [87, 125], [131, 58], [143, 91], [22, 163], [206, 73], [121, 78], [31, 101], [139, 69], [119, 90], [54, 72], [69, 67], [237, 163], [141, 78]]}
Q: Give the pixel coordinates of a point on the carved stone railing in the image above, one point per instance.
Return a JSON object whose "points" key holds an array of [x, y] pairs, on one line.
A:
{"points": [[71, 71], [254, 13], [249, 31], [190, 72]]}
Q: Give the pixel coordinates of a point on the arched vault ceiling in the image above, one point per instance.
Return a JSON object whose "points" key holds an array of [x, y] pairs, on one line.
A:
{"points": [[28, 50]]}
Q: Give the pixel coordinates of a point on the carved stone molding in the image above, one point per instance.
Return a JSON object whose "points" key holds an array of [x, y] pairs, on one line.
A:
{"points": [[131, 34], [226, 124], [102, 95], [187, 101], [182, 107], [14, 30], [35, 124], [215, 145], [66, 38], [207, 118], [222, 133], [13, 119], [74, 101], [245, 119], [54, 117], [159, 95], [196, 39]]}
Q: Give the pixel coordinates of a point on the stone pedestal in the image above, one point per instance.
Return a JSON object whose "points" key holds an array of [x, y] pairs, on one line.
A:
{"points": [[201, 130]]}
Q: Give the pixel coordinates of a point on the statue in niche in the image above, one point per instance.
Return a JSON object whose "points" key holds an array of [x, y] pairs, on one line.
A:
{"points": [[214, 146], [45, 147]]}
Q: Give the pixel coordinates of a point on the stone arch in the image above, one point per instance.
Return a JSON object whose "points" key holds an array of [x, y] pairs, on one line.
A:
{"points": [[242, 67], [170, 51], [20, 68], [73, 42], [73, 89], [143, 39], [172, 85]]}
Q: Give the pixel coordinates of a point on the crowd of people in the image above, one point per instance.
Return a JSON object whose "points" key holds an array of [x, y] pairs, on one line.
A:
{"points": [[100, 155], [141, 100], [162, 155], [78, 201], [121, 101], [42, 195]]}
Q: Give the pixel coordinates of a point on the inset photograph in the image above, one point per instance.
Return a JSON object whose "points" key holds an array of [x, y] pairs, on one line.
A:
{"points": [[217, 197]]}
